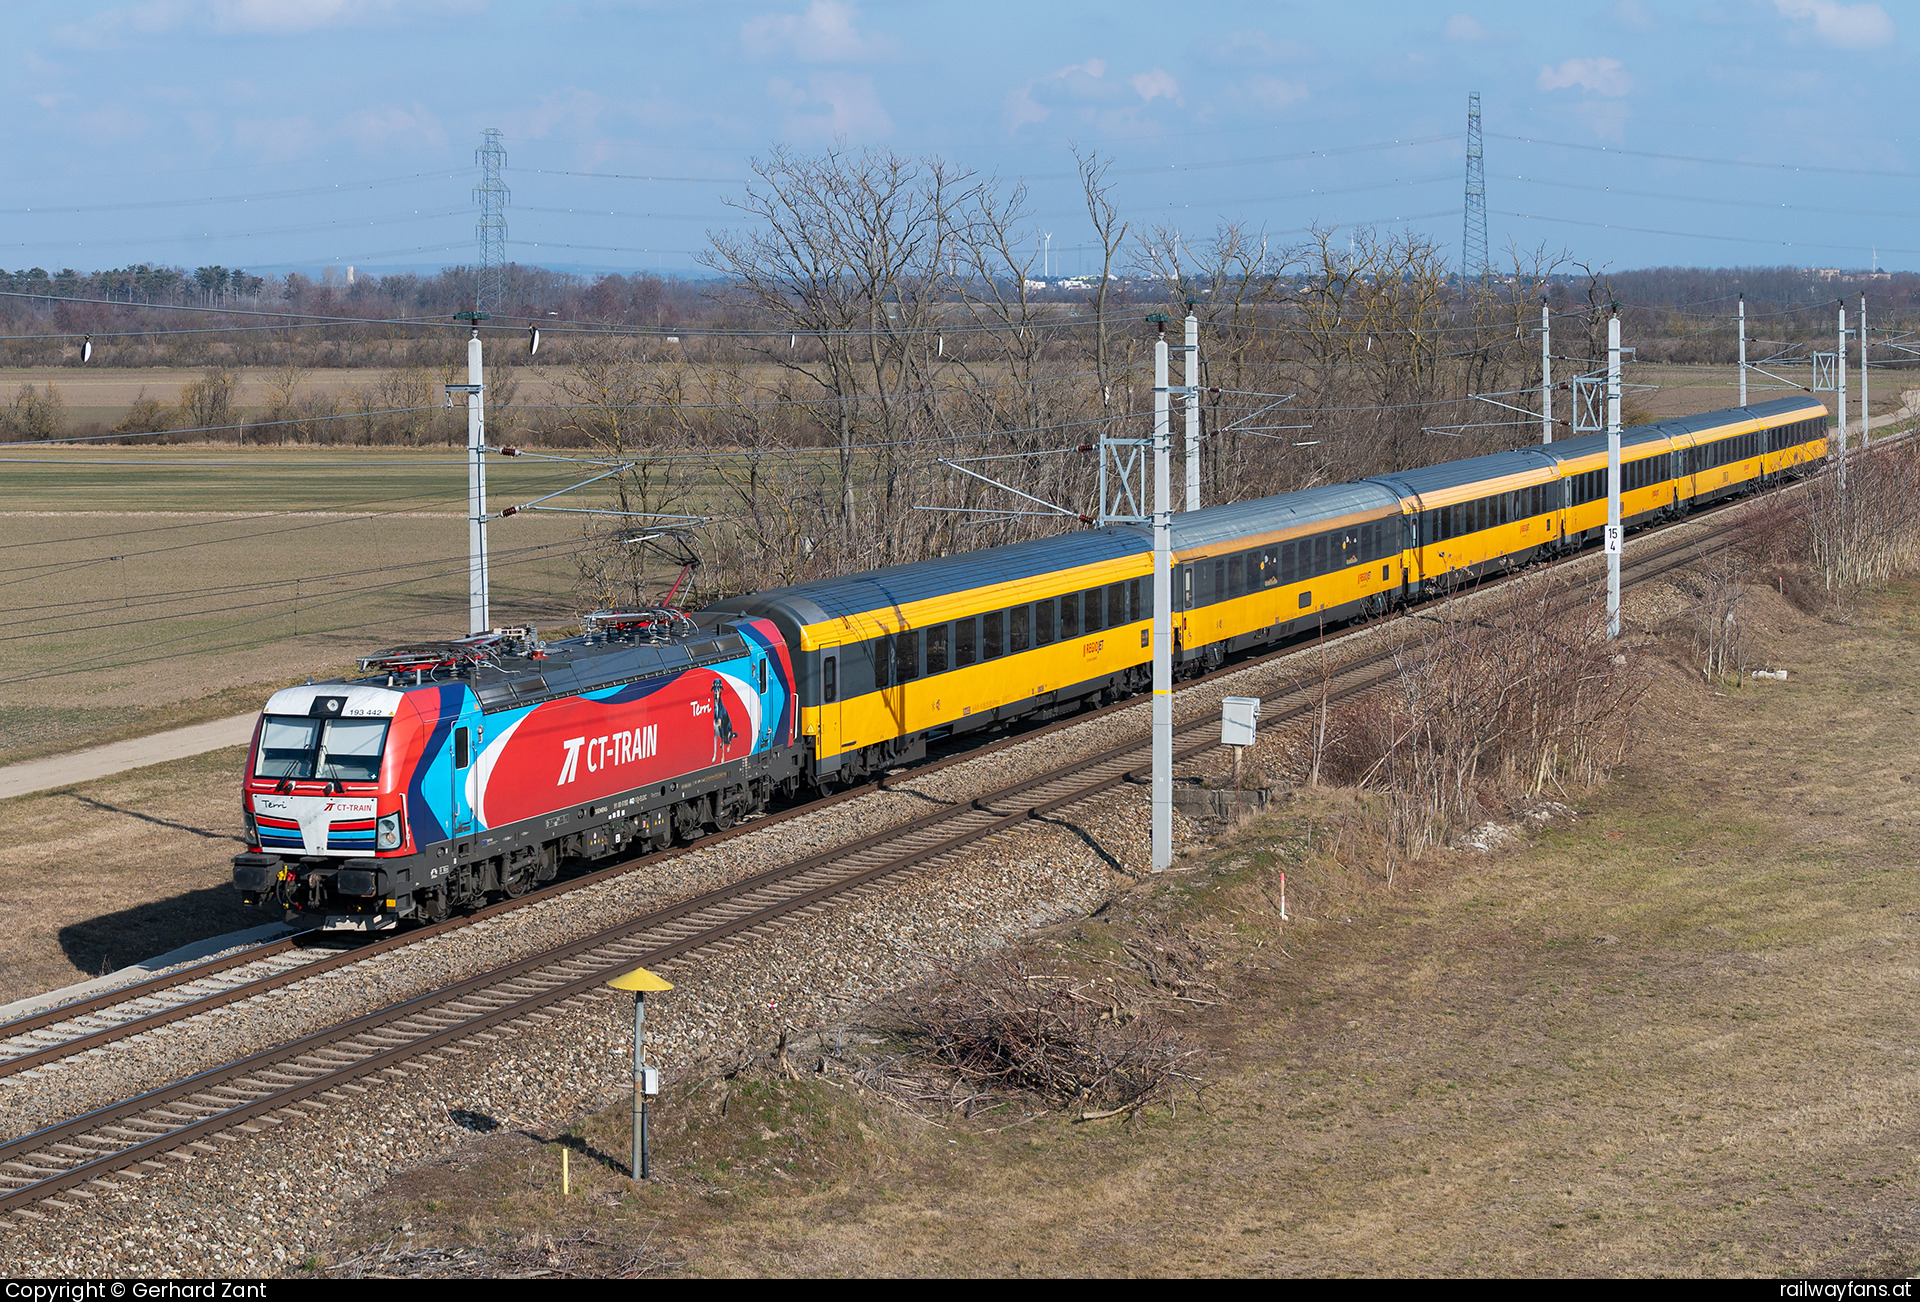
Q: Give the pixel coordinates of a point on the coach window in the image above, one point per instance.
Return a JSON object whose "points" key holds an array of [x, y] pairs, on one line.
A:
{"points": [[829, 680], [937, 649], [990, 631], [963, 641], [1017, 628], [1320, 565], [1070, 615], [1116, 605], [1095, 602], [1042, 623], [906, 657], [1133, 601], [882, 661], [1236, 576], [1286, 562], [1219, 580]]}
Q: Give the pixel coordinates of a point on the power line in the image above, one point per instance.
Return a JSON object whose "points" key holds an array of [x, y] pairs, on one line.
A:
{"points": [[1720, 202], [358, 594], [1719, 162], [1695, 235], [263, 196], [215, 429], [243, 235], [623, 176]]}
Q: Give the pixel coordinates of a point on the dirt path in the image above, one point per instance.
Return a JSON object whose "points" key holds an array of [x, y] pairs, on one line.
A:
{"points": [[105, 761]]}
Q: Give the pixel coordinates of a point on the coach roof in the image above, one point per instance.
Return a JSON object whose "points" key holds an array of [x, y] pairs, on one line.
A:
{"points": [[901, 585], [1246, 523]]}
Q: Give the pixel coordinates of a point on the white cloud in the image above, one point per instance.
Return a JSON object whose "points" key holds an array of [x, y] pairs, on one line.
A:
{"points": [[262, 17], [1600, 76], [1156, 83], [112, 124], [825, 33], [1083, 80], [1634, 15], [276, 138], [1606, 118], [834, 106], [380, 128], [1272, 92], [1847, 27], [1464, 27], [1245, 47], [576, 109]]}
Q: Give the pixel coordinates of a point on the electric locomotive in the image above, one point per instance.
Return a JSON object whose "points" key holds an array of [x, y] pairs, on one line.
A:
{"points": [[456, 770]]}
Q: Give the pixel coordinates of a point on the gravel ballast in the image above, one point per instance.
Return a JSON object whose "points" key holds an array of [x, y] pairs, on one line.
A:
{"points": [[262, 1202]]}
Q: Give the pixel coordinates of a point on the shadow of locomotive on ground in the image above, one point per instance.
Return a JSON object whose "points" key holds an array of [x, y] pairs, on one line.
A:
{"points": [[115, 940]]}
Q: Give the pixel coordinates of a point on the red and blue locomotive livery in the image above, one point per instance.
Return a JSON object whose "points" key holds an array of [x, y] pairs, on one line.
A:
{"points": [[458, 769]]}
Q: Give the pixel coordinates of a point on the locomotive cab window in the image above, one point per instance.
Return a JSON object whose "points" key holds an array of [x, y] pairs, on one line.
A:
{"points": [[323, 750]]}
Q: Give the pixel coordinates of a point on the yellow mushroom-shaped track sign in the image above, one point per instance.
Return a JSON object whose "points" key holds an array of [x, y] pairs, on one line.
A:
{"points": [[641, 981]]}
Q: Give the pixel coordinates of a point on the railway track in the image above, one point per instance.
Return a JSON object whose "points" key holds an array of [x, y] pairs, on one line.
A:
{"points": [[55, 1033], [270, 1086]]}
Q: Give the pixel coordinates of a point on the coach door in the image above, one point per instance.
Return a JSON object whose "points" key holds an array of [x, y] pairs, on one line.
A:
{"points": [[832, 689]]}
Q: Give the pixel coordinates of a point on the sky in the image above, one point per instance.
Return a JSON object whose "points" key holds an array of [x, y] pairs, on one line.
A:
{"points": [[277, 134]]}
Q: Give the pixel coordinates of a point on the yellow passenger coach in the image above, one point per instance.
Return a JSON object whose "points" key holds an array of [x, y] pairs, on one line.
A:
{"points": [[890, 659]]}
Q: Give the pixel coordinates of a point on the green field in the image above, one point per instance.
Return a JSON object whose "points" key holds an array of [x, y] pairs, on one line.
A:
{"points": [[143, 588]]}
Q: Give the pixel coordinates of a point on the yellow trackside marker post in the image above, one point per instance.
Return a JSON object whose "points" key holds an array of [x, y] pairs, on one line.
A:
{"points": [[646, 1080]]}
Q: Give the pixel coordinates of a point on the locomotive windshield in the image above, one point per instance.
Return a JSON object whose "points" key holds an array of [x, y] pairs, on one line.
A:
{"points": [[347, 750]]}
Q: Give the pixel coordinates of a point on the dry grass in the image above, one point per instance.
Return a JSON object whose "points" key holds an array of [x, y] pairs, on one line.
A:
{"points": [[98, 876], [1673, 1036]]}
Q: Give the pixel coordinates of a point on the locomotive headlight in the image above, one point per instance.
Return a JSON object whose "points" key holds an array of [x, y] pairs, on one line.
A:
{"points": [[386, 834], [253, 830]]}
